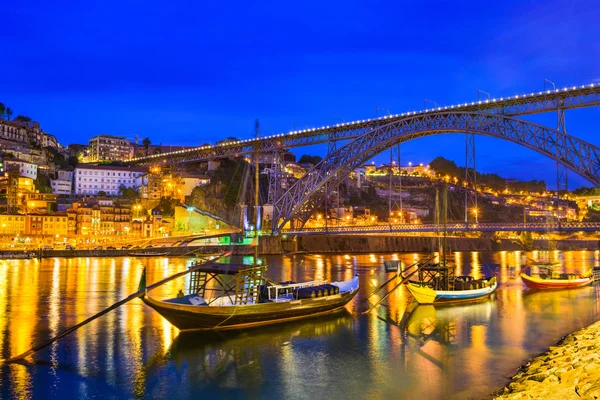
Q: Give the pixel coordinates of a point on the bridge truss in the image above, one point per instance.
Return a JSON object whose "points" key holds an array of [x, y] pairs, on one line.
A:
{"points": [[305, 195], [451, 227], [532, 103]]}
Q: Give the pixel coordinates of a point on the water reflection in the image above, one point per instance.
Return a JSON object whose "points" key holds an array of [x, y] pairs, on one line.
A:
{"points": [[398, 351]]}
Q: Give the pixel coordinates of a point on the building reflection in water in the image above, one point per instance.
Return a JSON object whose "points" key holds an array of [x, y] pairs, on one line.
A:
{"points": [[398, 350]]}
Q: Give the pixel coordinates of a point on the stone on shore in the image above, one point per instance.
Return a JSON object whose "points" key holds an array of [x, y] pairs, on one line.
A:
{"points": [[570, 370]]}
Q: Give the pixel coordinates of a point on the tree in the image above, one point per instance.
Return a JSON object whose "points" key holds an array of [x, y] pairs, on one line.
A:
{"points": [[8, 112], [73, 161], [166, 206], [128, 193], [314, 160], [2, 109], [22, 118], [101, 193], [146, 142], [157, 150], [42, 183]]}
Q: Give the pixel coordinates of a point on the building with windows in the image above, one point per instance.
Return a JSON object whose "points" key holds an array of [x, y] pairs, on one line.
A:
{"points": [[100, 216], [91, 179], [109, 148], [26, 169], [47, 224], [12, 224]]}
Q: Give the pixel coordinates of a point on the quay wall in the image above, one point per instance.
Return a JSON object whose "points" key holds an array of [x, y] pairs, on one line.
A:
{"points": [[268, 245], [386, 244]]}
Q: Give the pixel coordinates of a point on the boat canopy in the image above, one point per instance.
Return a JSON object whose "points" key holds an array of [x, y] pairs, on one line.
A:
{"points": [[222, 269]]}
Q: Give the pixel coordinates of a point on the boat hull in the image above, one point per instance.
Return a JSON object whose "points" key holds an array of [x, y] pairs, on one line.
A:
{"points": [[426, 295], [189, 317], [535, 282]]}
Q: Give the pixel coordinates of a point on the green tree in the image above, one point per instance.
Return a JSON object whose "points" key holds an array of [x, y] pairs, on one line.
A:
{"points": [[8, 112], [101, 193], [166, 206], [2, 110], [42, 184], [128, 193], [22, 118]]}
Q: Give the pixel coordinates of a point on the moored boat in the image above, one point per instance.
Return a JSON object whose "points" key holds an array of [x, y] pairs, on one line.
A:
{"points": [[243, 297], [556, 281], [469, 290], [437, 283]]}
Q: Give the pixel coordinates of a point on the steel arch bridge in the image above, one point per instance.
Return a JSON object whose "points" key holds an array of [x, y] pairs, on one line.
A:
{"points": [[524, 104], [299, 201]]}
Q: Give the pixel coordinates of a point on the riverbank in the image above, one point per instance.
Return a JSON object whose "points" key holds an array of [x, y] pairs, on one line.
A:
{"points": [[570, 370]]}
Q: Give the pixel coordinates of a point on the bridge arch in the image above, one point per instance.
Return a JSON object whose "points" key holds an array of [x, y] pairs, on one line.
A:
{"points": [[300, 199]]}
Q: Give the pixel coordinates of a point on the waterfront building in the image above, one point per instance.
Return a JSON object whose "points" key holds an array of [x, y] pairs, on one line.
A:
{"points": [[155, 184], [47, 224], [13, 224], [149, 185], [91, 179], [26, 169], [60, 186], [33, 202], [100, 216], [63, 184], [109, 148], [190, 181]]}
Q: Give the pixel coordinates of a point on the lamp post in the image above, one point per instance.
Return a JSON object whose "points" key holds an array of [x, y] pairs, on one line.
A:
{"points": [[549, 81]]}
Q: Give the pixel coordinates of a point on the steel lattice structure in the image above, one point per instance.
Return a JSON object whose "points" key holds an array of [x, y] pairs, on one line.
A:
{"points": [[300, 200], [533, 103], [451, 227]]}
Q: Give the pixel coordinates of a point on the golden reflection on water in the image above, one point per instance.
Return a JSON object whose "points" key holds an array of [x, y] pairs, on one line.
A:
{"points": [[442, 349]]}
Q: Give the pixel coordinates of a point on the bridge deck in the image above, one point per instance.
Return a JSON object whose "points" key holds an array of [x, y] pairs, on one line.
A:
{"points": [[532, 103], [454, 227]]}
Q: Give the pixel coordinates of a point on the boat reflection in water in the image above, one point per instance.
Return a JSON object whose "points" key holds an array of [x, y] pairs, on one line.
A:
{"points": [[396, 351], [235, 358]]}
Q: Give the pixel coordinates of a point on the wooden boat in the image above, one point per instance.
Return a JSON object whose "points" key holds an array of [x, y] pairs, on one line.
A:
{"points": [[469, 290], [226, 296], [243, 297], [437, 283], [556, 281]]}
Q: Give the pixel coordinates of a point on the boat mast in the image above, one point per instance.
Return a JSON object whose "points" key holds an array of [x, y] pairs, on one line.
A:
{"points": [[256, 205], [444, 219], [437, 222]]}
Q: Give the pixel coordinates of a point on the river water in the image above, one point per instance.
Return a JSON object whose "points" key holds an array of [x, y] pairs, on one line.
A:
{"points": [[397, 351]]}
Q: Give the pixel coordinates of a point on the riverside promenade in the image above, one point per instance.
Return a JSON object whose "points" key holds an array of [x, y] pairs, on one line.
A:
{"points": [[570, 370]]}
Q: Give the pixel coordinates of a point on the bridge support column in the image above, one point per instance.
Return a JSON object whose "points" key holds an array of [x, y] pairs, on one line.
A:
{"points": [[562, 177], [470, 180], [274, 186], [395, 187]]}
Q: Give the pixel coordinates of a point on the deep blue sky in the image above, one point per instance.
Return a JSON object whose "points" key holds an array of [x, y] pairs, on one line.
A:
{"points": [[189, 73]]}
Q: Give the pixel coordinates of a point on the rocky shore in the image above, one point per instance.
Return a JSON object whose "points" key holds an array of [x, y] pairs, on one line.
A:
{"points": [[570, 370]]}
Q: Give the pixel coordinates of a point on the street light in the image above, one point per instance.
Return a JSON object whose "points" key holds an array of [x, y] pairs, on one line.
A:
{"points": [[476, 214], [549, 81], [382, 109]]}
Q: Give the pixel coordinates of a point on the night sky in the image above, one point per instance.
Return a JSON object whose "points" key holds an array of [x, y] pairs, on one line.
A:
{"points": [[195, 72]]}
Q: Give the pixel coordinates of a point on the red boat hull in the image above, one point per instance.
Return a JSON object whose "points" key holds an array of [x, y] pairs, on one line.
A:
{"points": [[538, 283]]}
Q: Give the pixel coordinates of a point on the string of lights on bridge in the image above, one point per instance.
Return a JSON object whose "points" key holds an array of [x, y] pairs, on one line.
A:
{"points": [[383, 118]]}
